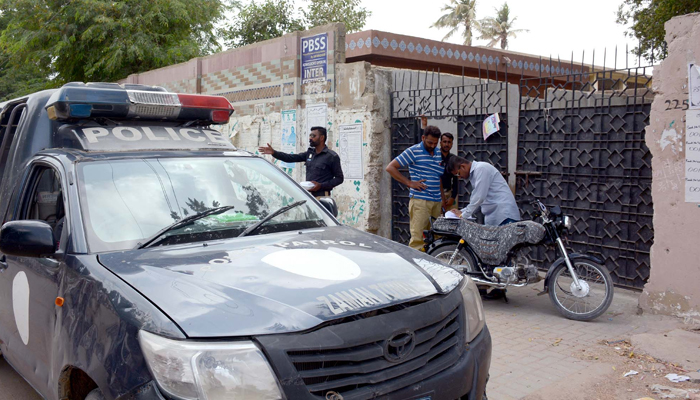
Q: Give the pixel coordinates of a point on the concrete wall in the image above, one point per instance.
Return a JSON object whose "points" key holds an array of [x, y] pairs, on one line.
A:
{"points": [[263, 79], [674, 284]]}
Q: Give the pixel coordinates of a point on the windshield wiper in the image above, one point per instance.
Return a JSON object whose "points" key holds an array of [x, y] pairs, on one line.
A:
{"points": [[185, 221], [260, 223]]}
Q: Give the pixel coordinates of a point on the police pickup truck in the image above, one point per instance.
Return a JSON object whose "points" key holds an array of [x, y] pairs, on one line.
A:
{"points": [[143, 257]]}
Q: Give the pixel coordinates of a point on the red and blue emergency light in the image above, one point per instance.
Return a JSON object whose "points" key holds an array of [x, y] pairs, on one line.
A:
{"points": [[111, 100]]}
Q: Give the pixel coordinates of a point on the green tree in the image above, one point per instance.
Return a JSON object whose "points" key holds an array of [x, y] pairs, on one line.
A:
{"points": [[105, 40], [458, 14], [14, 82], [499, 28], [647, 19], [256, 22], [321, 12]]}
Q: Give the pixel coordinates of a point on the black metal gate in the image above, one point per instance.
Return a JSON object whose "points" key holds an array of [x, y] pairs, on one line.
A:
{"points": [[468, 106], [581, 146]]}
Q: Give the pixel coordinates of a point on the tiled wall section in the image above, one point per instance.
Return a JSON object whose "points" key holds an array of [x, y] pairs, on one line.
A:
{"points": [[259, 73], [182, 86], [266, 72]]}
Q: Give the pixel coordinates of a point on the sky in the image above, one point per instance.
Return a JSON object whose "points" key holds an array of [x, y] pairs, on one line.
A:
{"points": [[556, 27]]}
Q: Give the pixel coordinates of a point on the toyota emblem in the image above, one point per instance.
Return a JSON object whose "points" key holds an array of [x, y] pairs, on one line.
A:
{"points": [[400, 346]]}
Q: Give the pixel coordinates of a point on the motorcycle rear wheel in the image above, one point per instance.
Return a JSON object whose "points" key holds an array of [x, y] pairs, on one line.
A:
{"points": [[597, 294]]}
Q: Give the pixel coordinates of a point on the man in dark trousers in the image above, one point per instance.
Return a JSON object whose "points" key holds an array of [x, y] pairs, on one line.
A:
{"points": [[450, 183], [322, 164]]}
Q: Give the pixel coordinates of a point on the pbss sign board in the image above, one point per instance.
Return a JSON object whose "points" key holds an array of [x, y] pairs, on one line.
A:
{"points": [[314, 58]]}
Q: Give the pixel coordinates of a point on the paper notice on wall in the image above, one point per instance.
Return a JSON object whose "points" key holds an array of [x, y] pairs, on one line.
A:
{"points": [[289, 134], [491, 125], [350, 150], [692, 156], [265, 133], [694, 86], [316, 115]]}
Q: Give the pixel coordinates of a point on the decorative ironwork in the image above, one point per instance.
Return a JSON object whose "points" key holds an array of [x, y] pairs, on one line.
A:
{"points": [[404, 132], [581, 145], [468, 106], [450, 102]]}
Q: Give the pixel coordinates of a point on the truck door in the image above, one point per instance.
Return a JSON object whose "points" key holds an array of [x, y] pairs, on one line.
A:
{"points": [[29, 286]]}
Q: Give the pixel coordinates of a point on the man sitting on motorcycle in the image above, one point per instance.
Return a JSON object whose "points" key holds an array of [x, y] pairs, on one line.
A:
{"points": [[489, 191]]}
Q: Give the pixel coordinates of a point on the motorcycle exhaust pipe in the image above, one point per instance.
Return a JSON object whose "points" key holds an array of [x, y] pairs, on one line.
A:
{"points": [[496, 285]]}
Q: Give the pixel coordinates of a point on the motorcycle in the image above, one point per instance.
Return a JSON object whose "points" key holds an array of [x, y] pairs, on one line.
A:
{"points": [[495, 257]]}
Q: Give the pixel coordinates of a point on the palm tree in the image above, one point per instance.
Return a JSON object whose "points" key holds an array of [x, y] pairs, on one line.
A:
{"points": [[459, 13], [499, 29]]}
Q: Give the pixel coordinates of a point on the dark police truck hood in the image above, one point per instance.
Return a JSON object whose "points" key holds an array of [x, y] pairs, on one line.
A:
{"points": [[277, 283]]}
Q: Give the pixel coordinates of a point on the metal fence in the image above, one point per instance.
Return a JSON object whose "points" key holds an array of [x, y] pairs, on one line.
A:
{"points": [[580, 145], [468, 106]]}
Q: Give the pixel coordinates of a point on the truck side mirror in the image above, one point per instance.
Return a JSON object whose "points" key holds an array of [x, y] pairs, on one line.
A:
{"points": [[330, 205], [27, 239]]}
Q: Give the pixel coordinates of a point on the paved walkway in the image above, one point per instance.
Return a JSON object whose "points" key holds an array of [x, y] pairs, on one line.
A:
{"points": [[538, 354]]}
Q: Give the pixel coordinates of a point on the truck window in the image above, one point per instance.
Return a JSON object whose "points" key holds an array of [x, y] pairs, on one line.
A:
{"points": [[8, 127], [44, 200], [126, 201]]}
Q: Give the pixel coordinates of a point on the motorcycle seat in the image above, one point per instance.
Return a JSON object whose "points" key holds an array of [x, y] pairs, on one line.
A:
{"points": [[492, 243]]}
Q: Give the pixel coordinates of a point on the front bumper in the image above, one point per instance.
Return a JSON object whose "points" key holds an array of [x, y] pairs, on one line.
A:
{"points": [[466, 380], [348, 360], [351, 360]]}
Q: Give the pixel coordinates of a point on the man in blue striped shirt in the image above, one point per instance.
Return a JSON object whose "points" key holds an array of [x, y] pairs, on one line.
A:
{"points": [[425, 167]]}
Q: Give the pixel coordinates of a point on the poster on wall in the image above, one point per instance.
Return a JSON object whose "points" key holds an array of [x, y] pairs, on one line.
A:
{"points": [[314, 58], [316, 115], [692, 156], [350, 150], [289, 134], [694, 86], [491, 125]]}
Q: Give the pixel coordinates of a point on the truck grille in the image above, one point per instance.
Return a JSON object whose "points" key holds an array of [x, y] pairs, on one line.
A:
{"points": [[366, 371]]}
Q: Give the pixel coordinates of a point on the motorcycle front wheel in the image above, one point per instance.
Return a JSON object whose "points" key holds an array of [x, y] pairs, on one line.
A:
{"points": [[464, 261], [586, 302]]}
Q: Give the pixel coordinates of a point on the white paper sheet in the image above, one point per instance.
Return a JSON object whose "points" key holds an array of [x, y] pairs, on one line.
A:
{"points": [[350, 150], [316, 115], [692, 156], [694, 86]]}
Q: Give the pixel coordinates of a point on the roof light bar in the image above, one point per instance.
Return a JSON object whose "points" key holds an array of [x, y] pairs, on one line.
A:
{"points": [[83, 101]]}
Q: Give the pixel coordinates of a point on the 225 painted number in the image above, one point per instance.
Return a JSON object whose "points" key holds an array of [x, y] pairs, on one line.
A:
{"points": [[677, 106]]}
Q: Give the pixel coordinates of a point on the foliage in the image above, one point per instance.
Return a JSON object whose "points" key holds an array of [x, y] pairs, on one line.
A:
{"points": [[15, 82], [257, 22], [500, 28], [321, 12], [459, 14], [647, 19], [59, 41]]}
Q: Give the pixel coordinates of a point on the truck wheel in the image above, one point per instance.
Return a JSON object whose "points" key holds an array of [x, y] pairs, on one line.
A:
{"points": [[96, 394]]}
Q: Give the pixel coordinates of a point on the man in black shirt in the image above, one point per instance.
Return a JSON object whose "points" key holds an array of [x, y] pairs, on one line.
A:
{"points": [[450, 182], [322, 164]]}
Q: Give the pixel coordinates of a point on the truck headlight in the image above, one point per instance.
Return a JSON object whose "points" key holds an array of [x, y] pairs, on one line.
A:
{"points": [[473, 308], [191, 370]]}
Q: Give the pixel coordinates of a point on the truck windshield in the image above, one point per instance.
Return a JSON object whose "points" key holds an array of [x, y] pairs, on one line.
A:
{"points": [[125, 202]]}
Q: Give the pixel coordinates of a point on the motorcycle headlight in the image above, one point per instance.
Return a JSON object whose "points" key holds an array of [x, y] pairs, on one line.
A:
{"points": [[474, 310], [568, 222], [190, 370]]}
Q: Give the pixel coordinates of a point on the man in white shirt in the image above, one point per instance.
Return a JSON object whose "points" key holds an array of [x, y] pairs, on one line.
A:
{"points": [[489, 191]]}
